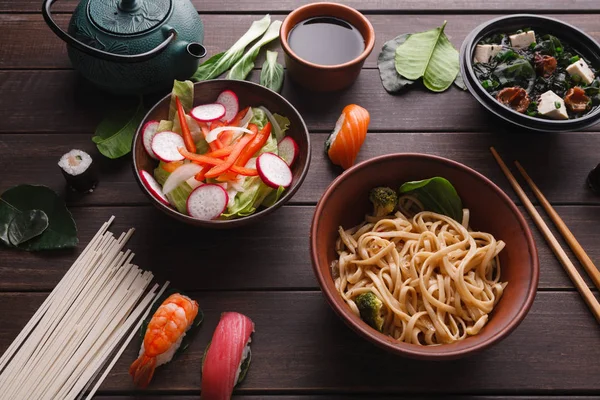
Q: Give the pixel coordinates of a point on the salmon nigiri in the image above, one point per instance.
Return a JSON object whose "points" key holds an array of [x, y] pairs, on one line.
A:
{"points": [[227, 356], [163, 336], [347, 137]]}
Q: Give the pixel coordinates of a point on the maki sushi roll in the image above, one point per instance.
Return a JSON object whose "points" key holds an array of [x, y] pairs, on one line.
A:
{"points": [[79, 170]]}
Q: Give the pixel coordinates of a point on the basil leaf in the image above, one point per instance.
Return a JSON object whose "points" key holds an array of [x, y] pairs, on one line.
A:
{"points": [[242, 68], [219, 63], [390, 78], [271, 75], [26, 226], [429, 55], [436, 194], [114, 135], [61, 231]]}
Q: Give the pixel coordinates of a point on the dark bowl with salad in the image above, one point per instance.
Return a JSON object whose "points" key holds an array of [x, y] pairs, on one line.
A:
{"points": [[535, 72], [221, 153]]}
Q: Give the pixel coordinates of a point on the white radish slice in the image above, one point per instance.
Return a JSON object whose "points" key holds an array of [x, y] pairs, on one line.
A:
{"points": [[273, 170], [154, 187], [166, 146], [207, 202], [214, 134], [208, 112], [148, 132], [180, 175], [232, 106], [288, 150]]}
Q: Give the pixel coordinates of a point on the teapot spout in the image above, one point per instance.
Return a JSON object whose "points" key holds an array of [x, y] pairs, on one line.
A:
{"points": [[195, 50]]}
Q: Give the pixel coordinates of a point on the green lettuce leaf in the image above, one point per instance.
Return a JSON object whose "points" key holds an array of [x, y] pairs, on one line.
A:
{"points": [[269, 147], [247, 201], [429, 55], [18, 202], [164, 125], [259, 118], [178, 197], [219, 63], [283, 122], [185, 91], [271, 75], [242, 68], [114, 135], [160, 174], [273, 197], [436, 194]]}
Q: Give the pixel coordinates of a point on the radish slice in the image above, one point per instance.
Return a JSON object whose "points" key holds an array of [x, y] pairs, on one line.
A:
{"points": [[208, 112], [166, 144], [148, 132], [207, 202], [288, 150], [273, 170], [153, 187], [232, 106], [214, 134], [180, 175]]}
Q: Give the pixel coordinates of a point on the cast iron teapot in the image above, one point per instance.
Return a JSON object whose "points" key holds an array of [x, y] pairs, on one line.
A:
{"points": [[132, 46]]}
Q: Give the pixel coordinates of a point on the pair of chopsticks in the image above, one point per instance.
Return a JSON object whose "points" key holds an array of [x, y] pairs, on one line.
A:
{"points": [[581, 255]]}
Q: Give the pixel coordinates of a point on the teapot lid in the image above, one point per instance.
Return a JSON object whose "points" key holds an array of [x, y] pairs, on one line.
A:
{"points": [[128, 17]]}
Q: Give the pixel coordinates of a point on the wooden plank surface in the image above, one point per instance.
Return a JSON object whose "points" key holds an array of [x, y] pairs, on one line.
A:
{"points": [[273, 254], [558, 163], [21, 29], [507, 6], [59, 101], [304, 346]]}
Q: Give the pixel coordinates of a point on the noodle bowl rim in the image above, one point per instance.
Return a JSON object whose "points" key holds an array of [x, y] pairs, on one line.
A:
{"points": [[444, 351]]}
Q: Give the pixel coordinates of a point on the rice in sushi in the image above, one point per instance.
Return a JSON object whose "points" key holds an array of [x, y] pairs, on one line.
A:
{"points": [[79, 170]]}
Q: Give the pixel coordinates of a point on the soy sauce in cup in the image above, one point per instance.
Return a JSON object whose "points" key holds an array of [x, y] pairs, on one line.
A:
{"points": [[326, 41]]}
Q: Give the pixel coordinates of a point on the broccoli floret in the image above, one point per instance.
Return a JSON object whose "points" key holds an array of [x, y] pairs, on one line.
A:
{"points": [[370, 307], [384, 200]]}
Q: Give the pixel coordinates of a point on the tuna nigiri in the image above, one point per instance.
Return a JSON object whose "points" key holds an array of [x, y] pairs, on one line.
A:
{"points": [[347, 137], [163, 336], [227, 356]]}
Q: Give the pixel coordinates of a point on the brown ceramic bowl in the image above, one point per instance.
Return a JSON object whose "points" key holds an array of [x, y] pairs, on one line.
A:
{"points": [[325, 78], [249, 94], [346, 202]]}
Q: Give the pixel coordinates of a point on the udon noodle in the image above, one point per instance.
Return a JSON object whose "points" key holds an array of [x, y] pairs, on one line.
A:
{"points": [[437, 279]]}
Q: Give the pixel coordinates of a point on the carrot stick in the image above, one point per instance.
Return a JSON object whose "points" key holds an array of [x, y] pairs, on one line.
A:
{"points": [[257, 143], [172, 166], [231, 159], [200, 175], [225, 151], [185, 129], [200, 158]]}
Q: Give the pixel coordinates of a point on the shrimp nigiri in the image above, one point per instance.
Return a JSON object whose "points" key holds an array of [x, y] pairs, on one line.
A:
{"points": [[163, 336], [347, 137]]}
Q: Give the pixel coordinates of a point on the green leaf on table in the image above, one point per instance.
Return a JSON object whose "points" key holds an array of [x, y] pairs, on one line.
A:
{"points": [[459, 81], [185, 91], [18, 202], [219, 63], [271, 75], [429, 55], [436, 194], [114, 135], [26, 226], [242, 68], [392, 81]]}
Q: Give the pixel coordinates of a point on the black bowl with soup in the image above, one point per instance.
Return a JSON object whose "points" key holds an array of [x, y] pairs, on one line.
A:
{"points": [[535, 72]]}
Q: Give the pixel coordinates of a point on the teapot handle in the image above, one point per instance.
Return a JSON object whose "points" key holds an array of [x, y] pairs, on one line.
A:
{"points": [[127, 58]]}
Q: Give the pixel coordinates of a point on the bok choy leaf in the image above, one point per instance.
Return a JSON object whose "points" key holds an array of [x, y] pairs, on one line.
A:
{"points": [[219, 63], [243, 67], [271, 75]]}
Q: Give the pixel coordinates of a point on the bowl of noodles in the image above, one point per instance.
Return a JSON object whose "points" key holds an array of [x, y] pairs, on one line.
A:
{"points": [[423, 256]]}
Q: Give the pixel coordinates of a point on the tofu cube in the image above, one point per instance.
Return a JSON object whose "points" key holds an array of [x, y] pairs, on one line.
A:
{"points": [[485, 52], [581, 69], [552, 106], [522, 40]]}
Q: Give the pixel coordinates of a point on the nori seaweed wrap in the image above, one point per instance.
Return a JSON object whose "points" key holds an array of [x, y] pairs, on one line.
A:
{"points": [[79, 170]]}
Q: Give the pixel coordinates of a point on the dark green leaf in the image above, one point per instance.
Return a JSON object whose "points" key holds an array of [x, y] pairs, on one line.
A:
{"points": [[189, 335], [516, 73], [244, 367], [26, 226], [114, 135], [390, 78], [436, 194], [61, 231], [272, 73]]}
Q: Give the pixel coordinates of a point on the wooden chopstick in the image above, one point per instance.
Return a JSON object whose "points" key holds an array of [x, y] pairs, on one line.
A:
{"points": [[579, 252], [577, 280]]}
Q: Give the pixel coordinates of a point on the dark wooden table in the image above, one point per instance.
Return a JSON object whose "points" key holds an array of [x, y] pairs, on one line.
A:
{"points": [[301, 350]]}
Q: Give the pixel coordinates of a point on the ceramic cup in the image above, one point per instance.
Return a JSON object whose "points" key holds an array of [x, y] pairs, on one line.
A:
{"points": [[325, 78]]}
